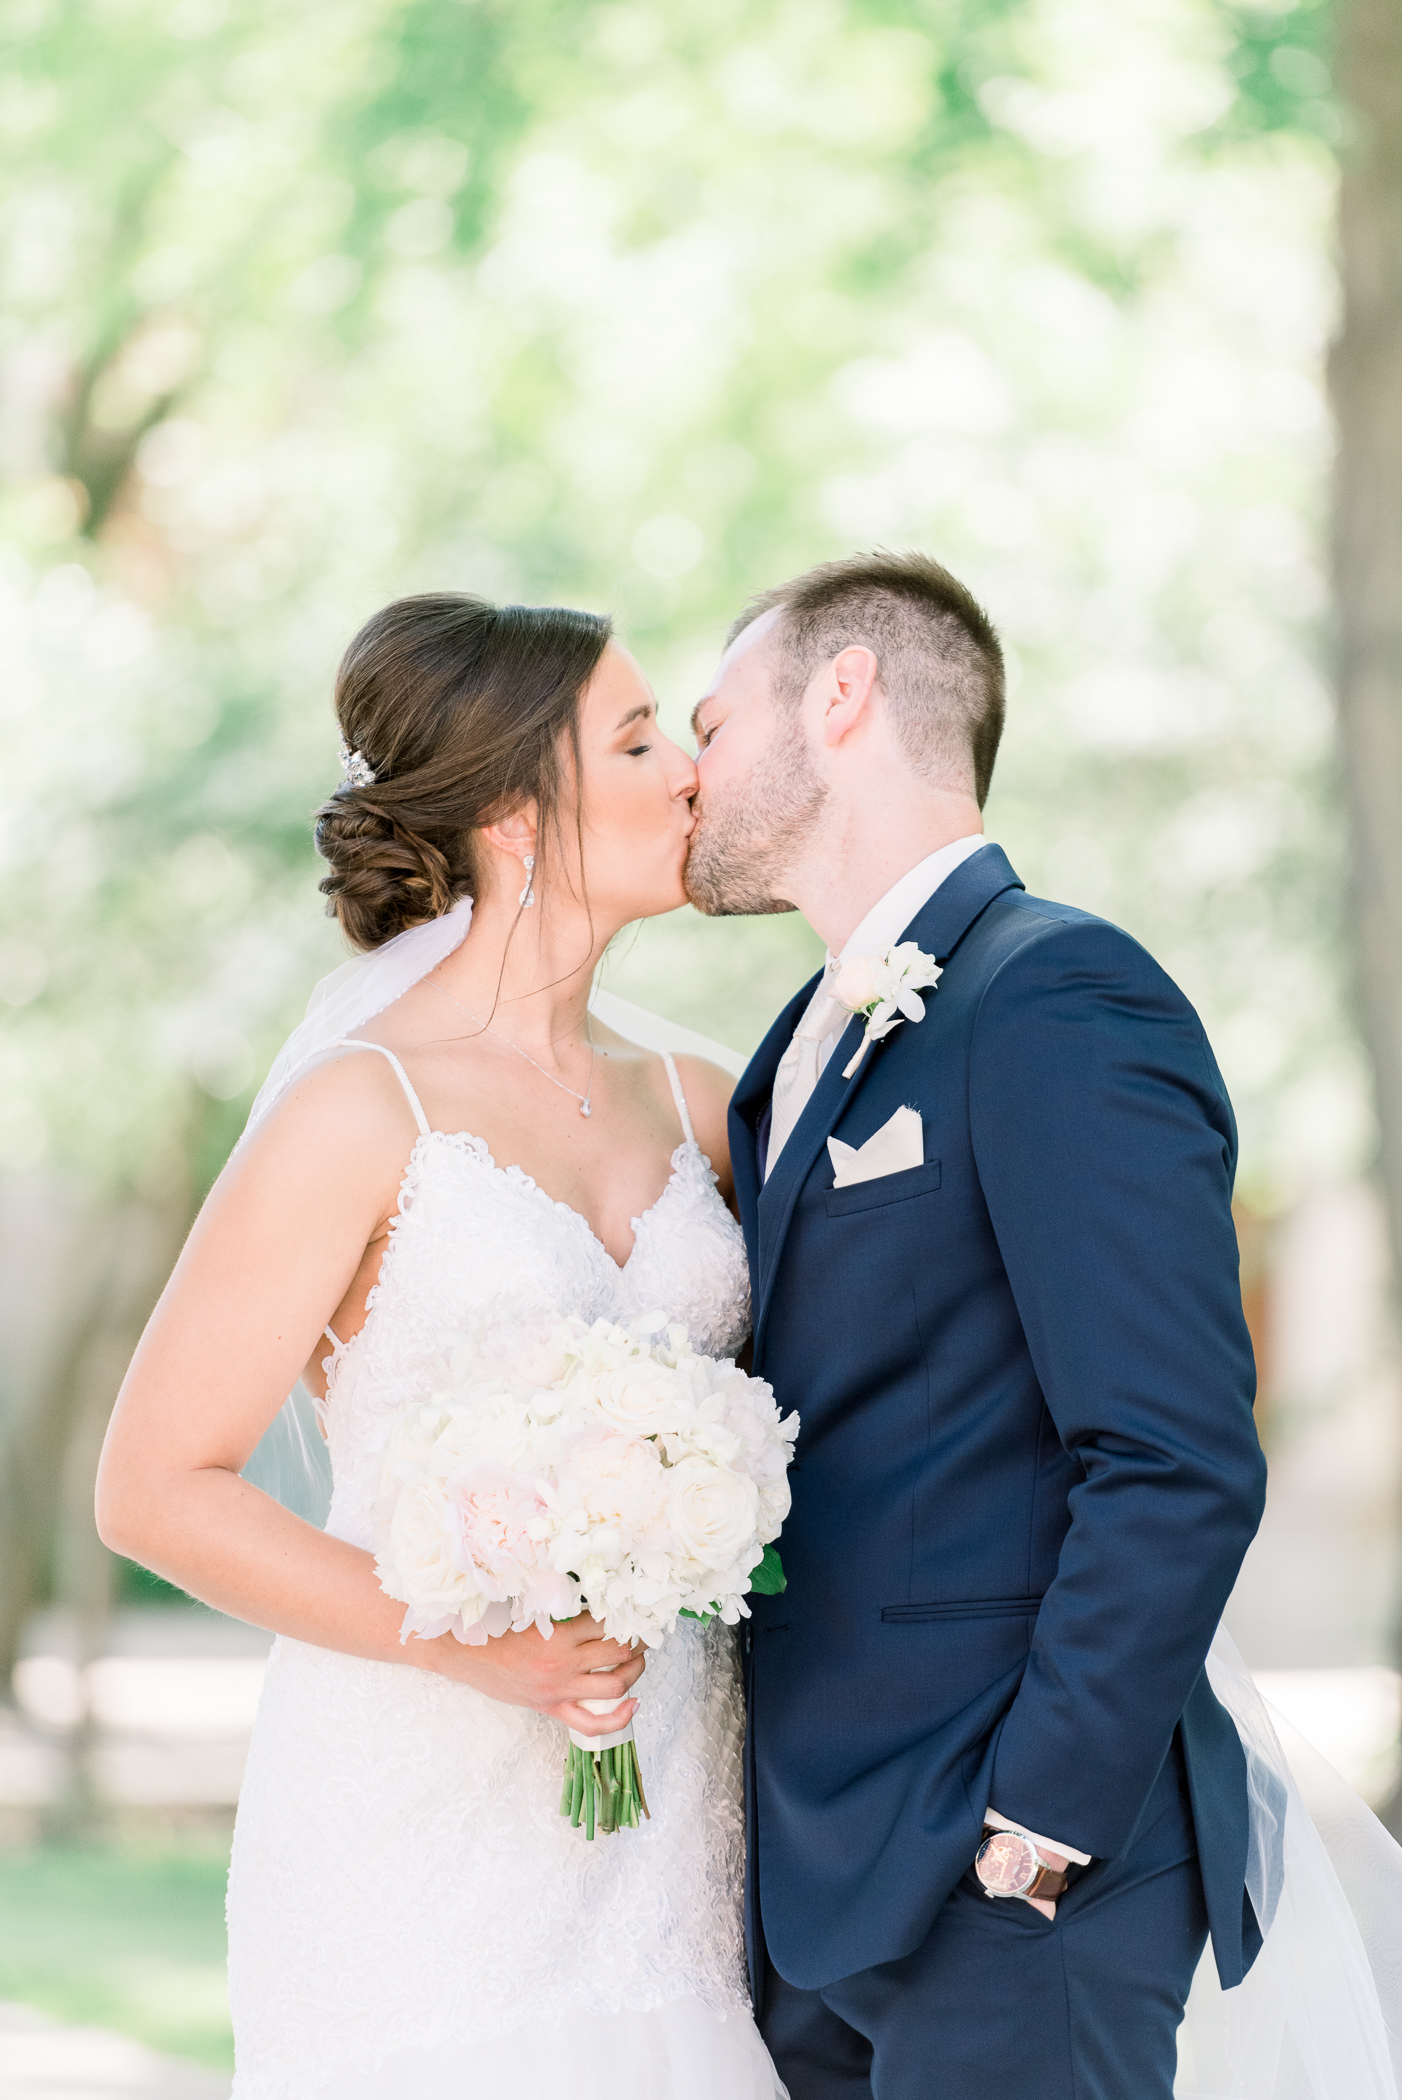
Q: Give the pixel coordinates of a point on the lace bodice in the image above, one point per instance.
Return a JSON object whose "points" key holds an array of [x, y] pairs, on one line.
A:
{"points": [[477, 1243], [402, 1879]]}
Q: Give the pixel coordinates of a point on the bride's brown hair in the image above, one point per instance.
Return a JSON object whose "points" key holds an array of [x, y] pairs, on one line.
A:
{"points": [[462, 710]]}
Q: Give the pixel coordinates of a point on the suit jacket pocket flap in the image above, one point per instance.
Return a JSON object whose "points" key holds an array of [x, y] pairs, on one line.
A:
{"points": [[965, 1608], [886, 1188]]}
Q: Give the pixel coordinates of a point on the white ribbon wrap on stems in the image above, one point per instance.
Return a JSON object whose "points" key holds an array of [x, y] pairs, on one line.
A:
{"points": [[601, 1742]]}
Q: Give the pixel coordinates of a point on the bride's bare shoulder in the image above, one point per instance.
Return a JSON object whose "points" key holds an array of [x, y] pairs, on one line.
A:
{"points": [[347, 1112]]}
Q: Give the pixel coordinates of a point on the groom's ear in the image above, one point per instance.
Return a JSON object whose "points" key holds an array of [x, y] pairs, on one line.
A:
{"points": [[847, 687]]}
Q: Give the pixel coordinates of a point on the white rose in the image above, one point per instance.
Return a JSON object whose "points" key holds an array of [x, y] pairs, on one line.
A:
{"points": [[464, 1437], [856, 983], [642, 1398], [713, 1511], [416, 1563]]}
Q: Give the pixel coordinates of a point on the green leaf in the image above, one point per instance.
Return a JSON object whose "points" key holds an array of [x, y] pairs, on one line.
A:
{"points": [[767, 1578]]}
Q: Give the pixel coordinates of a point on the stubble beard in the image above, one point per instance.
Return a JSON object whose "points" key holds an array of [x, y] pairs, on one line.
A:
{"points": [[745, 843]]}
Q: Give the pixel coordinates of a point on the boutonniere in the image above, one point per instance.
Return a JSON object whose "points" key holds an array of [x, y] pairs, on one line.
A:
{"points": [[886, 988]]}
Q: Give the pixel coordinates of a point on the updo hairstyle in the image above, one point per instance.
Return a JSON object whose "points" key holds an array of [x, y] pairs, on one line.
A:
{"points": [[461, 709]]}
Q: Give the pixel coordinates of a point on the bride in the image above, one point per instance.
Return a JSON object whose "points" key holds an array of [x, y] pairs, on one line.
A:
{"points": [[453, 1137]]}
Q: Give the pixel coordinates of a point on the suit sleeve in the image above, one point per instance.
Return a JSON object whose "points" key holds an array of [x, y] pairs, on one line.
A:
{"points": [[1105, 1149]]}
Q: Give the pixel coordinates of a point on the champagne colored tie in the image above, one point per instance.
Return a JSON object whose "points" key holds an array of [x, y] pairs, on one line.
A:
{"points": [[797, 1075]]}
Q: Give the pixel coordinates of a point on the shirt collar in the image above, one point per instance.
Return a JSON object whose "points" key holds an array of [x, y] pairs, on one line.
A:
{"points": [[890, 915]]}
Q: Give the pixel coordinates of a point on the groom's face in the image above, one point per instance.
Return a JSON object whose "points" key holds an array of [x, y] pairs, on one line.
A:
{"points": [[759, 795]]}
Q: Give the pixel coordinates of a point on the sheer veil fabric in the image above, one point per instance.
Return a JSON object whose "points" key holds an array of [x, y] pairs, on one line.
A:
{"points": [[357, 991], [1319, 2017]]}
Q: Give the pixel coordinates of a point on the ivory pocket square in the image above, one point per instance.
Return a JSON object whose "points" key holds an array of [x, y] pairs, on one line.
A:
{"points": [[890, 1150]]}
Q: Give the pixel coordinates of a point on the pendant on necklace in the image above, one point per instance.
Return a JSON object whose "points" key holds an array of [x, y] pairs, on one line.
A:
{"points": [[585, 1109]]}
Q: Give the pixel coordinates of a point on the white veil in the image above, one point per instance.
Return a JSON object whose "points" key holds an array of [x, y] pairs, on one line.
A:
{"points": [[291, 1462], [352, 995], [1319, 2016]]}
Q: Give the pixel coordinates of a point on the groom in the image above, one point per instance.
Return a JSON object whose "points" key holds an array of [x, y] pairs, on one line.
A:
{"points": [[994, 1807]]}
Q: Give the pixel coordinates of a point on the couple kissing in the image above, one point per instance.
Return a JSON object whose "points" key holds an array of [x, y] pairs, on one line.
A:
{"points": [[959, 1810]]}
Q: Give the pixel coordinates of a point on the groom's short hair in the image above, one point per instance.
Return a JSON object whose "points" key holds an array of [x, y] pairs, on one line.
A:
{"points": [[938, 655]]}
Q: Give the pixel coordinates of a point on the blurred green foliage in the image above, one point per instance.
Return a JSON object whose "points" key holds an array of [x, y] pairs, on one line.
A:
{"points": [[137, 1585], [1280, 59], [646, 307], [124, 1938]]}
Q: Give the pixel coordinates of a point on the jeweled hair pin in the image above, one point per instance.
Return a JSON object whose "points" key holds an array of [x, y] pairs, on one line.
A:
{"points": [[356, 772]]}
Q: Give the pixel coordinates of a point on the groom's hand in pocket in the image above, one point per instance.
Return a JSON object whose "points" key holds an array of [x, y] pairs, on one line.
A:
{"points": [[549, 1676]]}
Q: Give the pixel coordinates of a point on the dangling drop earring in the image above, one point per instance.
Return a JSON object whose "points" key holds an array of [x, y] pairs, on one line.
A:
{"points": [[527, 896]]}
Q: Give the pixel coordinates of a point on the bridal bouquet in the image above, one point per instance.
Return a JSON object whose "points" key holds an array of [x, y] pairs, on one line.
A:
{"points": [[600, 1468]]}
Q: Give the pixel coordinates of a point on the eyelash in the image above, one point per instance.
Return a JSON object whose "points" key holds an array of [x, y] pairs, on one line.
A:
{"points": [[637, 750]]}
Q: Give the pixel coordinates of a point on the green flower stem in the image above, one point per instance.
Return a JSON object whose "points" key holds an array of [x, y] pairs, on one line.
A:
{"points": [[603, 1790]]}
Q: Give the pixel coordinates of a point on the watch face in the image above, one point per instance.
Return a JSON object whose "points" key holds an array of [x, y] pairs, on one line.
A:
{"points": [[1006, 1863]]}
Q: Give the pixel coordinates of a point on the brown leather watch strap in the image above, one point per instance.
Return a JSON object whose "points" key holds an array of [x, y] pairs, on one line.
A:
{"points": [[1047, 1882]]}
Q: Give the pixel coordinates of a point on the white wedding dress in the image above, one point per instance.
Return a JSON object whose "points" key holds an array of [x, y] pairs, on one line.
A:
{"points": [[410, 1917]]}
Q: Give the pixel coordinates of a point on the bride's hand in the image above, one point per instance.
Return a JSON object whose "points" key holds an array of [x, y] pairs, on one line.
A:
{"points": [[551, 1677]]}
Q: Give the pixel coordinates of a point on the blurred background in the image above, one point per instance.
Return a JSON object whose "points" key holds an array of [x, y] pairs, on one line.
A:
{"points": [[643, 307]]}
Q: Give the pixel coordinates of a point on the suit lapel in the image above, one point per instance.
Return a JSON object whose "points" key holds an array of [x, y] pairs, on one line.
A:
{"points": [[747, 1105], [780, 1192], [937, 929]]}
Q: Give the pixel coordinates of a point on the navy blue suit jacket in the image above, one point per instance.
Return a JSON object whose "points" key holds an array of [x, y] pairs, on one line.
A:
{"points": [[1028, 1470]]}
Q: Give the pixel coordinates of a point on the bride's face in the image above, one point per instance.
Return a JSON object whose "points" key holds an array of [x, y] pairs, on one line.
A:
{"points": [[637, 790]]}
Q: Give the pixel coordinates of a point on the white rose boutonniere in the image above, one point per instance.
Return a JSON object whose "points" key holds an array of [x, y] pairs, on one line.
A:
{"points": [[886, 988]]}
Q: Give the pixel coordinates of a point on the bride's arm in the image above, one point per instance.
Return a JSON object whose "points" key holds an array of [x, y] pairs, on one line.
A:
{"points": [[270, 1258]]}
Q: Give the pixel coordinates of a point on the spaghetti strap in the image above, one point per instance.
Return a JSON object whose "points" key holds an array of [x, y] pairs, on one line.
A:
{"points": [[678, 1096], [350, 1042]]}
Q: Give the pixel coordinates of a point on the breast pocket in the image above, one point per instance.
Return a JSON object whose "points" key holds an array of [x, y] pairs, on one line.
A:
{"points": [[923, 1180]]}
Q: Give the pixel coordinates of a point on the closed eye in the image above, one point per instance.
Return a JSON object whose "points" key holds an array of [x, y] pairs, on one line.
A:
{"points": [[637, 750]]}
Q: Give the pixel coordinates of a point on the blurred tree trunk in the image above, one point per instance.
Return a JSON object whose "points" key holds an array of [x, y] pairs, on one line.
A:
{"points": [[144, 1238], [1366, 379], [78, 1279], [55, 1248]]}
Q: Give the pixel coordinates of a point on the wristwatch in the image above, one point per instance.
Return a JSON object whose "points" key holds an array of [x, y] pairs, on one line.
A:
{"points": [[1009, 1864]]}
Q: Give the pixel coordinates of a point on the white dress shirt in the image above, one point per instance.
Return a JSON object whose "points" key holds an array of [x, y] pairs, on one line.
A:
{"points": [[879, 930]]}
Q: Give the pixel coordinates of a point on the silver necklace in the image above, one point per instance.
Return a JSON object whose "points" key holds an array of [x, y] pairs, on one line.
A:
{"points": [[583, 1099]]}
